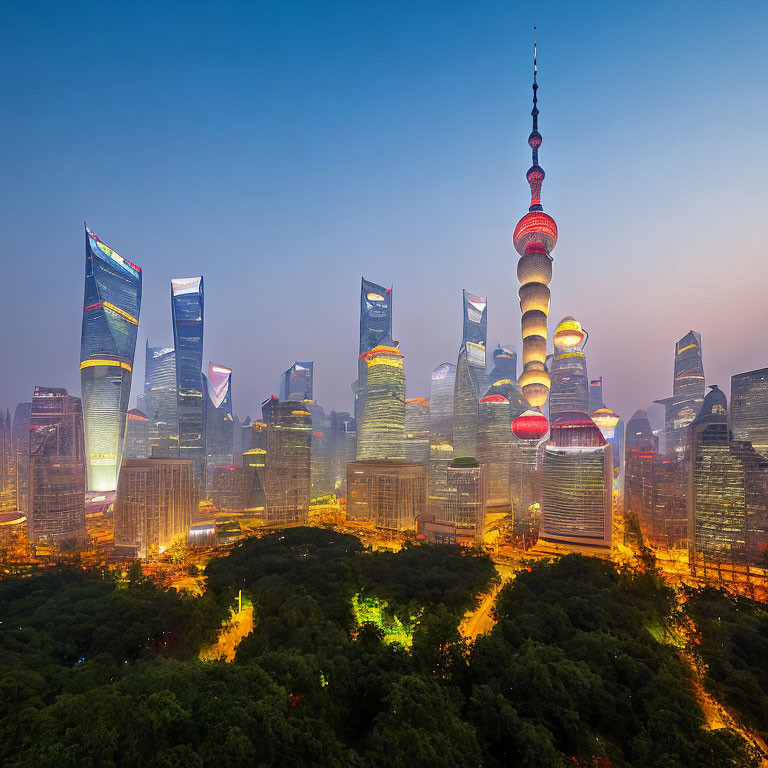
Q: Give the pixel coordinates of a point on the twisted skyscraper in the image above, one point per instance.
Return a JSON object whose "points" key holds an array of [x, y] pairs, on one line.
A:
{"points": [[534, 238]]}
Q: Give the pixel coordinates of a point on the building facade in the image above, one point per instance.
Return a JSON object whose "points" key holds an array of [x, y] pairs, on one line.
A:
{"points": [[56, 490], [160, 401], [288, 461], [417, 429], [111, 306], [137, 435], [569, 380], [154, 504], [187, 312], [749, 408], [466, 505], [297, 382], [219, 422], [576, 484], [389, 493], [381, 404]]}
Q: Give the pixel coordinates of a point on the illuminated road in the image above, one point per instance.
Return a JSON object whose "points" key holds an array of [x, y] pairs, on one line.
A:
{"points": [[239, 626]]}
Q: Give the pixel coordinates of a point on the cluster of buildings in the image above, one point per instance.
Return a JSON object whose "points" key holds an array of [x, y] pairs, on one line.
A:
{"points": [[536, 449]]}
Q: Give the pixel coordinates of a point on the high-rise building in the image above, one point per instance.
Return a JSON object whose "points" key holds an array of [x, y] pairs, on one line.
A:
{"points": [[187, 313], [137, 435], [749, 408], [441, 401], [381, 404], [56, 502], [440, 434], [389, 493], [417, 429], [111, 306], [595, 394], [570, 383], [296, 383], [612, 428], [154, 504], [340, 448], [576, 483], [375, 328], [727, 490], [687, 393], [160, 400], [20, 453], [501, 403], [219, 421], [465, 506], [6, 477], [534, 238], [288, 461], [471, 376]]}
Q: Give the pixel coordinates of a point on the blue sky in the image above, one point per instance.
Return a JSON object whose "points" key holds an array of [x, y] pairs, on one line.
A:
{"points": [[283, 150]]}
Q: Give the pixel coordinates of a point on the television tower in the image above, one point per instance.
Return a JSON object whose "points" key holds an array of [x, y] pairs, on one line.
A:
{"points": [[534, 238]]}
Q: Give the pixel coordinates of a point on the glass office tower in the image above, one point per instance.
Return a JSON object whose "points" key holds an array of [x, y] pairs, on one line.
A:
{"points": [[187, 314], [471, 376], [417, 429], [20, 452], [576, 483], [440, 434], [569, 380], [381, 408], [687, 393], [749, 408], [161, 395], [56, 503], [296, 382], [219, 422], [111, 306], [137, 435]]}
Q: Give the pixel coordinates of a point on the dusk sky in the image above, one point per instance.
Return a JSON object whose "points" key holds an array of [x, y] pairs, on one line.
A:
{"points": [[285, 149]]}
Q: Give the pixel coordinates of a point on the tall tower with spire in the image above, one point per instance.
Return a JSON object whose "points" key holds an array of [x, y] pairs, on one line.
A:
{"points": [[534, 239]]}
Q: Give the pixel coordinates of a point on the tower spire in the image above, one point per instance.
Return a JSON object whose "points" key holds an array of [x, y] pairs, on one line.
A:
{"points": [[535, 173]]}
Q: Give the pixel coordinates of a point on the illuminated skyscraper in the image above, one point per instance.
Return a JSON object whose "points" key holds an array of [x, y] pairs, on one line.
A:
{"points": [[56, 505], [288, 461], [441, 401], [570, 384], [687, 393], [20, 452], [187, 314], [471, 376], [154, 505], [219, 421], [296, 383], [576, 480], [381, 405], [111, 306], [161, 401], [375, 328], [749, 408], [534, 238], [417, 429], [465, 506], [612, 428], [717, 514], [390, 493], [340, 448], [501, 404], [137, 435]]}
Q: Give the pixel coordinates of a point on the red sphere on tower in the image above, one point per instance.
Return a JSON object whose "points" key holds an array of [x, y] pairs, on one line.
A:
{"points": [[530, 425]]}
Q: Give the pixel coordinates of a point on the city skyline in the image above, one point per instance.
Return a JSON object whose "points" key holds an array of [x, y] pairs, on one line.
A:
{"points": [[433, 240]]}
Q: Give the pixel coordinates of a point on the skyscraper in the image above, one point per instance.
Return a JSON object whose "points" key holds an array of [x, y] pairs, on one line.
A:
{"points": [[534, 238], [154, 504], [687, 393], [288, 461], [717, 511], [20, 452], [595, 394], [137, 435], [219, 422], [389, 493], [56, 504], [501, 404], [381, 405], [296, 382], [576, 480], [375, 328], [570, 383], [471, 376], [161, 396], [440, 434], [749, 408], [417, 429], [111, 306], [465, 506], [340, 448], [187, 314]]}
